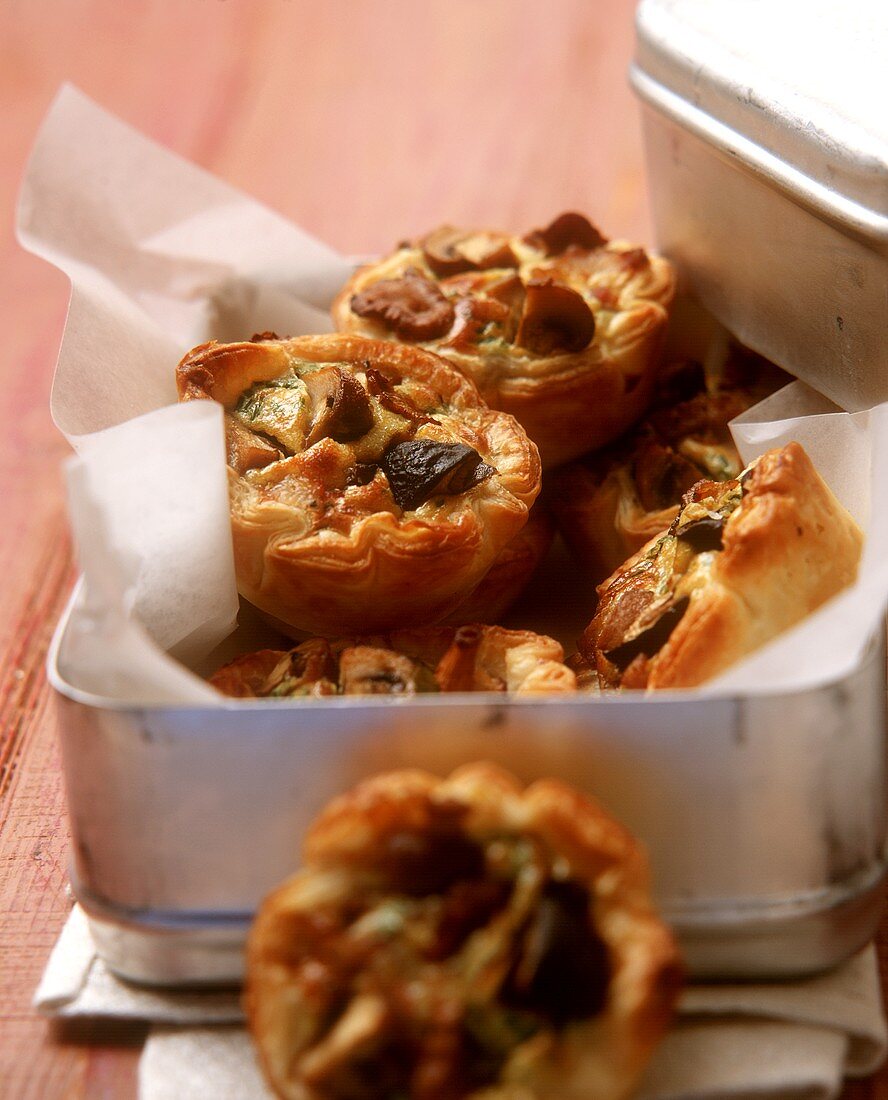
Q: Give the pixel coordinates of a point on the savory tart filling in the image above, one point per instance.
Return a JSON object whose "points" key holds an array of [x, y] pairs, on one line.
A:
{"points": [[560, 327], [468, 658], [743, 560], [609, 504], [460, 938], [370, 486]]}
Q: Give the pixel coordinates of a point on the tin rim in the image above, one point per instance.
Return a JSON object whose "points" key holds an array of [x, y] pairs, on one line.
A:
{"points": [[733, 145]]}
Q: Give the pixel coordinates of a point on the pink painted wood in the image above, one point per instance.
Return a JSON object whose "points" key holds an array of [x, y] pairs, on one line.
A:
{"points": [[362, 122]]}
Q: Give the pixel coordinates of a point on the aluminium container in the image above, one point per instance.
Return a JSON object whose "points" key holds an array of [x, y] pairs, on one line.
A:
{"points": [[764, 817], [767, 147]]}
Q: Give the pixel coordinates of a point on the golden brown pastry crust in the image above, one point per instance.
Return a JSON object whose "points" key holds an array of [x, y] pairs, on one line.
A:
{"points": [[473, 657], [510, 573], [563, 329], [434, 919], [742, 562], [609, 504], [321, 541]]}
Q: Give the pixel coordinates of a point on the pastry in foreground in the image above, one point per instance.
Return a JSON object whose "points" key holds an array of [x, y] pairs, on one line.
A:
{"points": [[743, 561], [406, 662], [560, 327], [370, 486], [461, 938], [609, 504]]}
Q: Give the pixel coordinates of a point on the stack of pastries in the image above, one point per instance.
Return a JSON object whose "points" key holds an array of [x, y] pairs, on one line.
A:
{"points": [[385, 480], [465, 937]]}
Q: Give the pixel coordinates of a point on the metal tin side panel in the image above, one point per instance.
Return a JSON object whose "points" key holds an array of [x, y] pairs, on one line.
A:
{"points": [[800, 289], [761, 816]]}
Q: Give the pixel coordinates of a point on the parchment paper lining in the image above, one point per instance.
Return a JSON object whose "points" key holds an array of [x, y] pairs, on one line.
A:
{"points": [[161, 257]]}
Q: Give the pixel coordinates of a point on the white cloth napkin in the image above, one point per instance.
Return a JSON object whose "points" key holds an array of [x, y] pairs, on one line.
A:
{"points": [[781, 1040]]}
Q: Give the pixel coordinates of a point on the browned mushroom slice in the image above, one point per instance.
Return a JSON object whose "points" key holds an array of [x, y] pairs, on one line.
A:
{"points": [[420, 468], [567, 229], [246, 449], [555, 319], [412, 307], [442, 252], [630, 601], [368, 670], [489, 250], [450, 251], [340, 405], [649, 633]]}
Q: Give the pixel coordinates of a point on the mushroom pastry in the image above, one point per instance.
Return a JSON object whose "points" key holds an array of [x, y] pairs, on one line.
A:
{"points": [[510, 573], [743, 560], [407, 662], [461, 938], [370, 486], [609, 504], [561, 327]]}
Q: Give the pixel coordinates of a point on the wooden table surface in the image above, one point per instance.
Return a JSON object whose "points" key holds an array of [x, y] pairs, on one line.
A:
{"points": [[364, 123]]}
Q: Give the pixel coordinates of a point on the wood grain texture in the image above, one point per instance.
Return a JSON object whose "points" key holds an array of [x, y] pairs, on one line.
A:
{"points": [[363, 122]]}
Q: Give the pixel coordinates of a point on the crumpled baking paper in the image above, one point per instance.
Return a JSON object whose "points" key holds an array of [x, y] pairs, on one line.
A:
{"points": [[162, 256]]}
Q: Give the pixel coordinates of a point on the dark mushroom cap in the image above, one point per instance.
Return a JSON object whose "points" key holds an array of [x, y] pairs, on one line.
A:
{"points": [[555, 319], [341, 406], [413, 307], [566, 230], [417, 469], [451, 251]]}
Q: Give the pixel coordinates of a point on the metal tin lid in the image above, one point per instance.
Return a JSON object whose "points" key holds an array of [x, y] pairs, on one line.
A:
{"points": [[797, 91]]}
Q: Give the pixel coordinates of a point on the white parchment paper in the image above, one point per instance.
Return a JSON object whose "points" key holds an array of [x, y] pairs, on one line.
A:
{"points": [[161, 257]]}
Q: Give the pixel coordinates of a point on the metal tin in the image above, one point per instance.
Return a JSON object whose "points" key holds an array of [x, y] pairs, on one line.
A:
{"points": [[767, 150], [764, 817]]}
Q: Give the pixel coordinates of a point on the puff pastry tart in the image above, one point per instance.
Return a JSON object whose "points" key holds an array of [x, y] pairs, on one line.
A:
{"points": [[743, 560], [510, 573], [460, 938], [609, 504], [407, 662], [370, 486], [561, 327]]}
